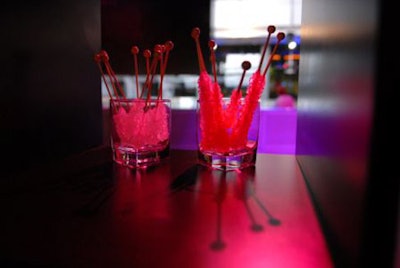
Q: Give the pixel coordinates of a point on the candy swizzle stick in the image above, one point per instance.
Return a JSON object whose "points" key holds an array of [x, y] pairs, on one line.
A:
{"points": [[211, 45], [280, 36], [254, 91], [98, 60], [205, 95], [102, 57], [217, 120], [271, 29], [195, 35], [157, 53], [161, 59], [135, 52], [245, 66], [113, 77], [213, 133], [204, 82], [216, 89], [147, 55], [232, 110], [168, 46]]}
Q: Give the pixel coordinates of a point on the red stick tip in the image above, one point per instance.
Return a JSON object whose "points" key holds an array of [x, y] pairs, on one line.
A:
{"points": [[211, 44], [169, 45], [135, 50], [163, 48], [195, 33], [97, 57], [280, 36], [158, 49], [246, 65], [104, 55], [271, 29], [147, 53]]}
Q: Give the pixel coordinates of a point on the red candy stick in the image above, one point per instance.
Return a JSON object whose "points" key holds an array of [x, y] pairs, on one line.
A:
{"points": [[135, 52], [211, 45], [156, 57], [280, 36], [232, 110], [147, 55], [195, 35], [167, 47], [271, 30]]}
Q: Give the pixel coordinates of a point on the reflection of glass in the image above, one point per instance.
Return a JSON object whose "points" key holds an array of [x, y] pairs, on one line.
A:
{"points": [[221, 187], [140, 131], [220, 195], [246, 191], [227, 133]]}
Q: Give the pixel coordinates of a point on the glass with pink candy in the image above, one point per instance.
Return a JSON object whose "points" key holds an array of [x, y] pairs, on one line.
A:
{"points": [[140, 131], [140, 126], [227, 133], [227, 127]]}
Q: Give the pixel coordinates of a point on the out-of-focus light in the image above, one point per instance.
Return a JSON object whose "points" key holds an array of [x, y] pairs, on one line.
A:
{"points": [[292, 45]]}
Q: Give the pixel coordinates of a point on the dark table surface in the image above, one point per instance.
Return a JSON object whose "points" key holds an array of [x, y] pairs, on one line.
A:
{"points": [[86, 211]]}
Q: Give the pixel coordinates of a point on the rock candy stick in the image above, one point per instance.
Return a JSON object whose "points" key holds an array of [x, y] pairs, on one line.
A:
{"points": [[280, 36], [231, 112], [114, 81], [102, 58], [195, 35], [147, 55], [135, 52], [242, 126], [271, 29], [217, 123], [149, 83], [163, 66], [205, 109], [205, 96], [254, 91]]}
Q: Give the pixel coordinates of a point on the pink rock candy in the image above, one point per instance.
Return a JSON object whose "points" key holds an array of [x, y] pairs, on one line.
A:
{"points": [[141, 127]]}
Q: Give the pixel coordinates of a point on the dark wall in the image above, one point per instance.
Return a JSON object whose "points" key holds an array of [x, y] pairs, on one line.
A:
{"points": [[50, 86], [146, 23], [346, 135]]}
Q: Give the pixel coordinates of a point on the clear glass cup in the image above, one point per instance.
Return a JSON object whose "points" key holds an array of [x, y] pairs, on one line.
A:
{"points": [[227, 133], [140, 131]]}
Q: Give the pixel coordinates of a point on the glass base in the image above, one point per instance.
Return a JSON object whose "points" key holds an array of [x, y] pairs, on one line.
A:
{"points": [[138, 159], [228, 162]]}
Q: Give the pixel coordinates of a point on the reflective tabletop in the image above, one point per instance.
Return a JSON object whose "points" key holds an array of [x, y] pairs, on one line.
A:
{"points": [[86, 211]]}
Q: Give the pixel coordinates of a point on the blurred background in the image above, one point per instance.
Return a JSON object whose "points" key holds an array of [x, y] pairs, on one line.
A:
{"points": [[239, 29]]}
